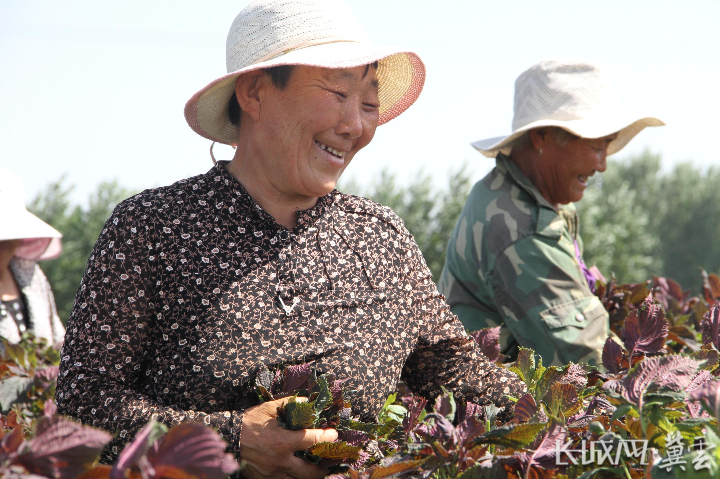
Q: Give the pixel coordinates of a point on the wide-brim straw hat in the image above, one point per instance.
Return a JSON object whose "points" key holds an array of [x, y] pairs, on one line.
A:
{"points": [[320, 33], [575, 95], [39, 240]]}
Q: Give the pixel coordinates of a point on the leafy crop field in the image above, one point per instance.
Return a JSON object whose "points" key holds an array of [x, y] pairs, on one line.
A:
{"points": [[652, 410]]}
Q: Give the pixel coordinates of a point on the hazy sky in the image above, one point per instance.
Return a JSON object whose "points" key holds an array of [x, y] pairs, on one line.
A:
{"points": [[96, 89]]}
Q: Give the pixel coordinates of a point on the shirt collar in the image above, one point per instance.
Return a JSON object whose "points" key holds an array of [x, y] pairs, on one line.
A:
{"points": [[506, 165], [248, 205]]}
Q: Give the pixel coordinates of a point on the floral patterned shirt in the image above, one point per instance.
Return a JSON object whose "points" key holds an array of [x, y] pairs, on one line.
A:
{"points": [[191, 286]]}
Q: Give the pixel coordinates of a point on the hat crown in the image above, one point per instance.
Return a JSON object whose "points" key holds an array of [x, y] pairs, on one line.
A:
{"points": [[563, 90], [266, 29]]}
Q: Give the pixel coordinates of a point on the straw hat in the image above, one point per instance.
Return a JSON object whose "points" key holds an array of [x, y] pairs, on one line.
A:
{"points": [[322, 33], [574, 95], [39, 240]]}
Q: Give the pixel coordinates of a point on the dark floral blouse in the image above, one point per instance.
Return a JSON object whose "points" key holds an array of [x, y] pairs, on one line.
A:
{"points": [[191, 286]]}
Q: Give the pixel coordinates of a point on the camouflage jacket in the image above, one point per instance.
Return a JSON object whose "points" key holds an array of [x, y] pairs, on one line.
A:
{"points": [[511, 262]]}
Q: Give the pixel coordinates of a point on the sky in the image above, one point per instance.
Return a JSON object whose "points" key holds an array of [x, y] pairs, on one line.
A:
{"points": [[95, 90]]}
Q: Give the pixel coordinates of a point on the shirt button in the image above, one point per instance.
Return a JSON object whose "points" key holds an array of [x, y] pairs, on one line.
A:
{"points": [[579, 317]]}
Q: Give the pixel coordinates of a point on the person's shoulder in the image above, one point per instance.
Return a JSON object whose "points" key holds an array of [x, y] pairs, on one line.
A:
{"points": [[501, 206], [363, 211], [152, 200]]}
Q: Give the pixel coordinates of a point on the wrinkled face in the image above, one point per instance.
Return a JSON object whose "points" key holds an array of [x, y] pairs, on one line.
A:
{"points": [[567, 167], [313, 127]]}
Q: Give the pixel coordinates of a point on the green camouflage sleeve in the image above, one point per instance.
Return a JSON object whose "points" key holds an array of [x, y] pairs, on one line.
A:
{"points": [[546, 304]]}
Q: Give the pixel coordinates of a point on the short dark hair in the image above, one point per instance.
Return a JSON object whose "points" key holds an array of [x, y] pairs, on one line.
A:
{"points": [[279, 75]]}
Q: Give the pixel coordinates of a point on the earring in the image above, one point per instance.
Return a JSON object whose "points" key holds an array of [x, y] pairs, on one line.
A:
{"points": [[540, 151]]}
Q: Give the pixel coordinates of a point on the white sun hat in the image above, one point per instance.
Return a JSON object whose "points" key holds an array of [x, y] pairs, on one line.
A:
{"points": [[574, 95], [321, 33], [39, 240]]}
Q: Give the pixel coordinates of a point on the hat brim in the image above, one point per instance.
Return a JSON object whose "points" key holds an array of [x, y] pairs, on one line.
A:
{"points": [[40, 241], [401, 76], [626, 126]]}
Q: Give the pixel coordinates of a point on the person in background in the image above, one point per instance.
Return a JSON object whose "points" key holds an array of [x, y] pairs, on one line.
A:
{"points": [[514, 259], [26, 299], [260, 260]]}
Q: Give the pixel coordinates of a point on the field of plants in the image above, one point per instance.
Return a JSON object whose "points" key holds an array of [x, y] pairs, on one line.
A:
{"points": [[651, 411]]}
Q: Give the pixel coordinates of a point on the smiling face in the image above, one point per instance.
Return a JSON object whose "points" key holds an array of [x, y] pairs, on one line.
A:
{"points": [[566, 166], [309, 131]]}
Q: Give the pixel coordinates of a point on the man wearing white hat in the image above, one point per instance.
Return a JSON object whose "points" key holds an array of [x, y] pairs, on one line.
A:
{"points": [[515, 257]]}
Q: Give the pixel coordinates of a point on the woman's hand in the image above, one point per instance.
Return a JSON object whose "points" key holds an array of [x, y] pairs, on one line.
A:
{"points": [[267, 450]]}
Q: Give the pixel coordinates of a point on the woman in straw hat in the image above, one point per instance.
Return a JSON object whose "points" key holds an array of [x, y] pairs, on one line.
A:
{"points": [[515, 257], [260, 260], [26, 300]]}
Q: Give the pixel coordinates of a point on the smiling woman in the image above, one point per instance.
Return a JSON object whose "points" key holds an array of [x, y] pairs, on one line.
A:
{"points": [[260, 261]]}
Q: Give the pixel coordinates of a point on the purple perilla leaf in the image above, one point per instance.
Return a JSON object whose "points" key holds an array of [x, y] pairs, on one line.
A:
{"points": [[710, 327], [192, 448], [673, 372], [468, 429], [61, 448], [645, 329], [612, 356], [545, 455], [525, 409], [468, 409], [353, 436], [488, 339], [445, 405], [131, 454], [441, 429], [10, 443], [47, 374], [297, 377], [49, 408], [709, 396], [415, 406]]}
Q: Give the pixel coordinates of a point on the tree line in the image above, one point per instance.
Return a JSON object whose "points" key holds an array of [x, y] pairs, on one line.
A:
{"points": [[636, 220]]}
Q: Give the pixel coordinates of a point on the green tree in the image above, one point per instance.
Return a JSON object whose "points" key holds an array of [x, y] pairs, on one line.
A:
{"points": [[80, 227]]}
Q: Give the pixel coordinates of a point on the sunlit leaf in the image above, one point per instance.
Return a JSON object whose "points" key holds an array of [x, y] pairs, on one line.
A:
{"points": [[526, 363], [13, 389], [525, 409], [297, 376], [674, 372], [415, 406], [335, 450], [709, 396], [708, 356], [300, 415], [445, 405], [61, 448], [545, 454], [130, 455], [562, 400], [710, 327], [645, 330], [195, 449], [324, 398], [442, 429], [612, 356], [515, 436], [468, 429], [393, 470]]}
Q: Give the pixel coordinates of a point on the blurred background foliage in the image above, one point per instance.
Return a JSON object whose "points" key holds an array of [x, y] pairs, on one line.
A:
{"points": [[637, 220]]}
